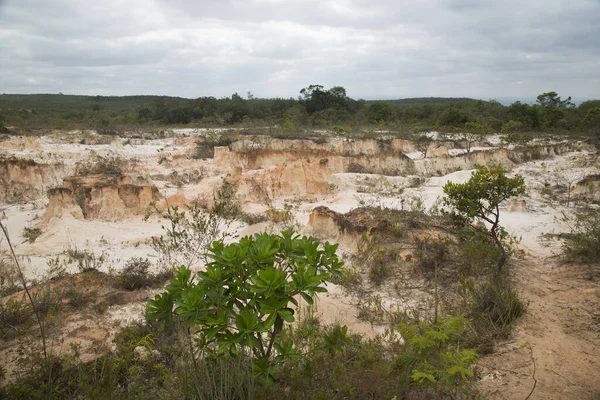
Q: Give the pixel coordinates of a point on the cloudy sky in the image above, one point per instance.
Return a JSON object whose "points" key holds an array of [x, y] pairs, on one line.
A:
{"points": [[273, 48]]}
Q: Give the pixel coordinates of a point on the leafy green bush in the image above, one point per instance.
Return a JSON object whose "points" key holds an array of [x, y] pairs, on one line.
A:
{"points": [[242, 300]]}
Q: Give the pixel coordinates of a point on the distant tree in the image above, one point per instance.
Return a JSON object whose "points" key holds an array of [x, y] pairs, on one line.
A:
{"points": [[553, 100], [511, 126], [381, 111], [3, 128], [96, 107], [480, 198], [144, 113], [591, 121], [471, 132], [337, 97], [422, 144], [314, 98], [236, 97], [453, 116]]}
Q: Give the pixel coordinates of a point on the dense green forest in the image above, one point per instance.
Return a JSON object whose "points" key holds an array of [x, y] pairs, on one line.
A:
{"points": [[315, 107]]}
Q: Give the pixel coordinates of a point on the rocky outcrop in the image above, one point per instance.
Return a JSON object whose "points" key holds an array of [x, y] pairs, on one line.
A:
{"points": [[348, 229], [300, 178], [100, 196], [588, 188], [25, 180]]}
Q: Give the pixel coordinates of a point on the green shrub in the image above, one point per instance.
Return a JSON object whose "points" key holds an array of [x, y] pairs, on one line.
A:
{"points": [[75, 297], [434, 358], [14, 316], [356, 168], [135, 274], [240, 303], [582, 244], [493, 307], [31, 234], [430, 254], [103, 165]]}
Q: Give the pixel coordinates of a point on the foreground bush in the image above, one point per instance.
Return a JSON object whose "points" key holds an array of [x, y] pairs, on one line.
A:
{"points": [[242, 300]]}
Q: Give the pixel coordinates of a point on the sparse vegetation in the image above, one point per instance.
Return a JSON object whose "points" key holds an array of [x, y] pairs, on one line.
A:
{"points": [[31, 234], [480, 198], [136, 275], [582, 243], [103, 165]]}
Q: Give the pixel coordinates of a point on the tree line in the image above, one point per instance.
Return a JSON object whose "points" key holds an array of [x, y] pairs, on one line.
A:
{"points": [[315, 107]]}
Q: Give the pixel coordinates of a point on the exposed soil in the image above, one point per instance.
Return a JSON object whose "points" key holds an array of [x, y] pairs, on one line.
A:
{"points": [[556, 345], [554, 352]]}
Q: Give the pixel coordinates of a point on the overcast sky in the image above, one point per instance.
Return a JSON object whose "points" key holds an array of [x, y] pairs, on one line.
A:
{"points": [[273, 48]]}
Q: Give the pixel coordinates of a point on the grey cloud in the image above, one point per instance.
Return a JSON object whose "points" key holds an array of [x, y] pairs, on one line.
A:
{"points": [[273, 47]]}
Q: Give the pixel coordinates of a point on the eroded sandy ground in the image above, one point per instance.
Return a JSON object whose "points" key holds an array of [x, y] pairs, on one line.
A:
{"points": [[560, 332]]}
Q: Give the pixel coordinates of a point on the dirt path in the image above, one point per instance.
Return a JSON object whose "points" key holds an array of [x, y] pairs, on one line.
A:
{"points": [[558, 338]]}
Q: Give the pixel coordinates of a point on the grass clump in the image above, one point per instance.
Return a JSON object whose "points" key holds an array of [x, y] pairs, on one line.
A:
{"points": [[493, 307], [582, 244], [136, 275]]}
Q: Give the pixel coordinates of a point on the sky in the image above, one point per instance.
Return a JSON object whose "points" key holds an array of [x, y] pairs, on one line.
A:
{"points": [[510, 49]]}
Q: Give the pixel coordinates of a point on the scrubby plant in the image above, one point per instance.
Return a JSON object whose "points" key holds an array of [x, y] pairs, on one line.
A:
{"points": [[429, 254], [15, 316], [135, 274], [356, 168], [187, 235], [103, 165], [582, 243], [480, 198], [422, 144], [9, 276], [31, 234], [435, 358], [75, 297], [493, 306], [241, 303]]}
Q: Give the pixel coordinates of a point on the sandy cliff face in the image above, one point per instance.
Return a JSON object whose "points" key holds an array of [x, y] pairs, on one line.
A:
{"points": [[349, 229], [99, 196], [382, 163], [26, 180]]}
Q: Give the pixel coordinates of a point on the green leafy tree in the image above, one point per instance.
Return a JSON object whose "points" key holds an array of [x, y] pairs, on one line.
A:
{"points": [[480, 198], [144, 114], [247, 292], [553, 100], [422, 144], [472, 132], [381, 112], [511, 126], [591, 121]]}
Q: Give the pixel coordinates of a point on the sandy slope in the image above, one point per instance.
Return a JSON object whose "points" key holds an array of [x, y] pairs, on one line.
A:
{"points": [[557, 342]]}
